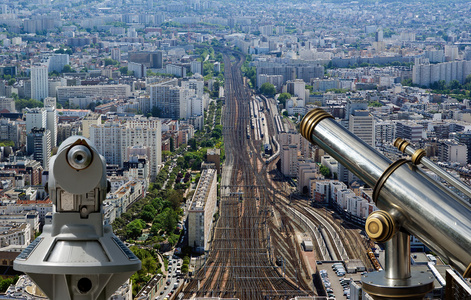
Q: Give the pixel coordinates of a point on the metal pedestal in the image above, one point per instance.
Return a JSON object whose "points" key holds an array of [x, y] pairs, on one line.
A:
{"points": [[397, 281]]}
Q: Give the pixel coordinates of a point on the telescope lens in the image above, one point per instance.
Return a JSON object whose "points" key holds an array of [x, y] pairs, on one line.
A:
{"points": [[84, 285], [79, 157]]}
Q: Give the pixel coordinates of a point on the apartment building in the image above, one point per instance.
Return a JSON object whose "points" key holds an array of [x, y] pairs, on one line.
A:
{"points": [[110, 91], [201, 211]]}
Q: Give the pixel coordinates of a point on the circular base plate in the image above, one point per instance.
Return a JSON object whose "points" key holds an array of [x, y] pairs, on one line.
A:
{"points": [[380, 287]]}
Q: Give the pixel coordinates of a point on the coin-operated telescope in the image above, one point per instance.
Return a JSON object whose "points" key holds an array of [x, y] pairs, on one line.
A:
{"points": [[410, 202], [77, 256]]}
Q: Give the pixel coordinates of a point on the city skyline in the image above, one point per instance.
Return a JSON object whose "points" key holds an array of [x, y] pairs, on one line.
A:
{"points": [[196, 106]]}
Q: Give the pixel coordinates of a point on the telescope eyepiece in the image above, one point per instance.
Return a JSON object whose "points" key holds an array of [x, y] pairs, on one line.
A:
{"points": [[79, 157]]}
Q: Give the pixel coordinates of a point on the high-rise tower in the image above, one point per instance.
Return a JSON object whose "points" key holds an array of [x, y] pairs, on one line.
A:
{"points": [[39, 84]]}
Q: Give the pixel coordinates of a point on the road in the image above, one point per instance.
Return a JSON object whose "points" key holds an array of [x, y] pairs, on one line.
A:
{"points": [[171, 281]]}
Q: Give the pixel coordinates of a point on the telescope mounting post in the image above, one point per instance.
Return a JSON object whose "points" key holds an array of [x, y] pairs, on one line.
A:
{"points": [[397, 281]]}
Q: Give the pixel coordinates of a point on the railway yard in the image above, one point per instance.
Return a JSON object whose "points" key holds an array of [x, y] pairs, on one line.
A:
{"points": [[256, 250]]}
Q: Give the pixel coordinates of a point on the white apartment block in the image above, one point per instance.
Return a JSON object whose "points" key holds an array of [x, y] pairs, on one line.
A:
{"points": [[107, 140], [52, 87], [32, 218], [35, 117], [196, 67], [57, 62], [307, 171], [110, 91], [38, 144], [146, 134], [8, 104], [297, 88], [195, 107], [336, 186], [385, 132], [89, 120], [138, 165], [425, 73], [13, 208], [330, 163], [170, 99], [289, 145], [144, 104], [201, 211], [139, 70], [361, 123], [343, 196], [39, 82], [116, 54], [179, 71], [51, 118], [122, 198], [15, 234], [114, 141], [450, 151], [276, 80], [410, 131], [196, 84], [289, 160], [44, 117]]}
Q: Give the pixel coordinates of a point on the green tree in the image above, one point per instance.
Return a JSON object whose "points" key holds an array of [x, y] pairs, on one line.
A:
{"points": [[468, 79], [192, 144], [407, 82], [166, 154], [268, 89], [175, 198], [375, 104], [5, 283], [156, 112], [6, 143], [67, 69], [134, 229], [123, 70], [167, 220], [325, 171], [23, 103], [438, 85], [454, 84], [148, 212], [109, 62], [149, 265], [283, 97]]}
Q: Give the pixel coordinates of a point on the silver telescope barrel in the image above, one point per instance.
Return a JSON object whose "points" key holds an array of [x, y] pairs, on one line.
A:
{"points": [[420, 207], [418, 157]]}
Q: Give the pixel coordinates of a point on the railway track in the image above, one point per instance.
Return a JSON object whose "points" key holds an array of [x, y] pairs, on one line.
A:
{"points": [[240, 263], [248, 238]]}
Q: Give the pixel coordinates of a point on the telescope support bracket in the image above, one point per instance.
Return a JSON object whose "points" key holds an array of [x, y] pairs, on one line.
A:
{"points": [[397, 281]]}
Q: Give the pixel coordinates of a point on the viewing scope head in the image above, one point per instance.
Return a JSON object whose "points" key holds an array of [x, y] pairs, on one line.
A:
{"points": [[77, 256]]}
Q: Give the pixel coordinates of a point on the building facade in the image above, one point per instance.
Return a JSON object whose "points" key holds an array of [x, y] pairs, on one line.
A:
{"points": [[201, 211], [39, 82], [110, 91], [39, 145]]}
